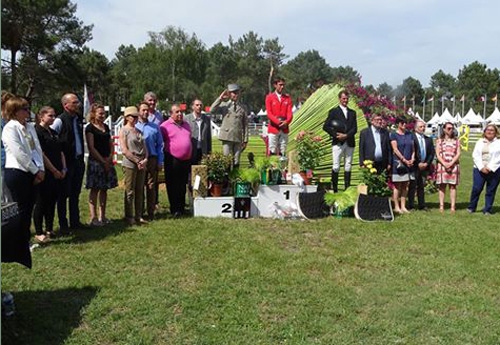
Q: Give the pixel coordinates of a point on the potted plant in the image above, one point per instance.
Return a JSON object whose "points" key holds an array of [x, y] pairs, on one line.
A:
{"points": [[376, 184], [308, 149], [218, 166], [246, 181], [269, 169], [342, 203]]}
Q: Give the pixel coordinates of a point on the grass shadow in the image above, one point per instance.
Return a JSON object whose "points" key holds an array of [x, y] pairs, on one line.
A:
{"points": [[46, 317]]}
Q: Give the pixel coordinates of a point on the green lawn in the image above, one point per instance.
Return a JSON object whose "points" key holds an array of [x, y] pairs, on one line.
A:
{"points": [[425, 278]]}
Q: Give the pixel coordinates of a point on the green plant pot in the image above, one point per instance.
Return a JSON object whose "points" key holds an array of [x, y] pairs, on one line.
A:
{"points": [[347, 212], [242, 189]]}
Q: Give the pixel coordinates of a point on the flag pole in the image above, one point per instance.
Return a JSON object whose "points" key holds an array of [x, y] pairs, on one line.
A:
{"points": [[423, 115], [463, 104], [442, 105], [484, 111]]}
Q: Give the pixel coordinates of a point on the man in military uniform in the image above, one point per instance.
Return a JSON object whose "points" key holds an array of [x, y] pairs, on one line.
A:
{"points": [[234, 128]]}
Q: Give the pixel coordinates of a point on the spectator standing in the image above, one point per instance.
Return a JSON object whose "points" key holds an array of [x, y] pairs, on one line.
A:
{"points": [[154, 115], [177, 145], [201, 132], [24, 167], [234, 128], [134, 162], [486, 156], [55, 165], [448, 167], [154, 143], [375, 145], [5, 96], [101, 173], [402, 164], [69, 127], [424, 156], [279, 113], [342, 126]]}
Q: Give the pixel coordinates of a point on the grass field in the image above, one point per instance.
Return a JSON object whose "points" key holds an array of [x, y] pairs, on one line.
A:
{"points": [[425, 278]]}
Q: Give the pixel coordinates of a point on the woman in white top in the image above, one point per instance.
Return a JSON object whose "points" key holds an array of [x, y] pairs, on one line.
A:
{"points": [[486, 170], [23, 159]]}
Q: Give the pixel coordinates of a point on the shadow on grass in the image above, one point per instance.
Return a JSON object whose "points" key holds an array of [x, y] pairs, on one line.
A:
{"points": [[92, 234], [46, 317]]}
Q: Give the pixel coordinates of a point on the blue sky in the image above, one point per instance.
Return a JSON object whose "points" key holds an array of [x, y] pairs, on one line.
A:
{"points": [[384, 40]]}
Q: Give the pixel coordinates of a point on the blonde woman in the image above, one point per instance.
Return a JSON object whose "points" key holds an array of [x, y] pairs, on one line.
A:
{"points": [[486, 170], [135, 158], [24, 166], [448, 168], [101, 173]]}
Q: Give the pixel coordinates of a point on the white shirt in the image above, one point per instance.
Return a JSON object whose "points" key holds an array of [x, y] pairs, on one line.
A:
{"points": [[344, 109], [22, 148], [477, 155]]}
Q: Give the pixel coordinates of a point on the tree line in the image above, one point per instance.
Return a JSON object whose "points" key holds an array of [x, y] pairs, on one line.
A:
{"points": [[48, 56]]}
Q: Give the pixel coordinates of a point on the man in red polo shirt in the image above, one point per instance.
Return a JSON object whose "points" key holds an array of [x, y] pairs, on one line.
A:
{"points": [[279, 113]]}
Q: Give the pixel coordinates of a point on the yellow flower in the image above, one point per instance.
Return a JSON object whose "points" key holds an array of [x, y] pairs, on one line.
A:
{"points": [[367, 162], [373, 170]]}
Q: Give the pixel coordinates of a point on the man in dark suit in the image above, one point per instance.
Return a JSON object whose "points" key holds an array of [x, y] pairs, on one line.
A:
{"points": [[424, 156], [69, 126], [201, 132], [342, 126], [375, 145]]}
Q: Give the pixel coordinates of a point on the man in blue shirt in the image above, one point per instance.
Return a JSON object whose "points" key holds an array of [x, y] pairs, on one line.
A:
{"points": [[154, 142]]}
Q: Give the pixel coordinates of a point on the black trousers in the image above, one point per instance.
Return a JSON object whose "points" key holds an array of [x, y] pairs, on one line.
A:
{"points": [[20, 184], [417, 187], [45, 206], [72, 186], [176, 177]]}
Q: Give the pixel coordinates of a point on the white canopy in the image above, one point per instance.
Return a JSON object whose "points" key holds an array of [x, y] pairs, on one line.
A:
{"points": [[417, 116], [458, 118], [494, 117], [446, 117], [261, 113], [294, 109], [471, 118], [434, 120]]}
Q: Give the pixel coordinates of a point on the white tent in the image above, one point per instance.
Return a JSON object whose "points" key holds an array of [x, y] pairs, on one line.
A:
{"points": [[434, 120], [446, 117], [261, 113], [458, 118], [494, 117], [294, 109], [417, 116], [471, 118]]}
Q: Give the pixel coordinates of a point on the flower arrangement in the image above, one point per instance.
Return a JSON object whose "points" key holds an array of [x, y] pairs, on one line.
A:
{"points": [[308, 150], [376, 183]]}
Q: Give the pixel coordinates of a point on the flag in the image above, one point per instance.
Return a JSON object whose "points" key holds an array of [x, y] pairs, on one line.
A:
{"points": [[86, 101], [403, 99], [482, 98], [394, 99], [494, 99], [443, 98], [452, 99], [430, 99], [412, 99], [462, 98]]}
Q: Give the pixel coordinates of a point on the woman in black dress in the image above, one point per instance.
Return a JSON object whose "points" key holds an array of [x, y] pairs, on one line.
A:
{"points": [[101, 173], [55, 169]]}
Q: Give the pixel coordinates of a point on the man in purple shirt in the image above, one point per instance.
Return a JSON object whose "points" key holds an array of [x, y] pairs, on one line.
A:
{"points": [[177, 148]]}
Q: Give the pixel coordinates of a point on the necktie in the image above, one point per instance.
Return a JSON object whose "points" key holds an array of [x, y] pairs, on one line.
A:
{"points": [[422, 147]]}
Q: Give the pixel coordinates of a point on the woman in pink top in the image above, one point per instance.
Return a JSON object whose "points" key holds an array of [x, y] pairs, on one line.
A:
{"points": [[177, 145]]}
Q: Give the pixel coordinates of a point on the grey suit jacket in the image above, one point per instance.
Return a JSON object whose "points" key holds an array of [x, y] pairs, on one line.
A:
{"points": [[234, 121], [206, 132]]}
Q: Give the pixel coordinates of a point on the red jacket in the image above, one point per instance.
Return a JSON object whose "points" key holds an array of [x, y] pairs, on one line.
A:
{"points": [[278, 111]]}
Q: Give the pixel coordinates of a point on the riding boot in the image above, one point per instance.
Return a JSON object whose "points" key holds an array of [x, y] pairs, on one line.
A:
{"points": [[347, 179], [335, 181]]}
